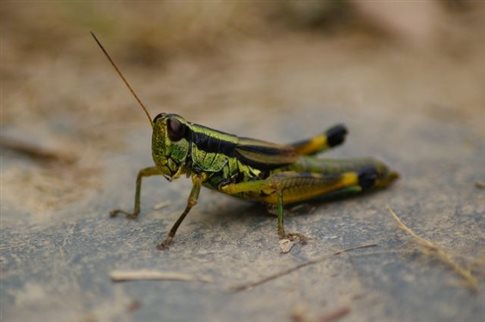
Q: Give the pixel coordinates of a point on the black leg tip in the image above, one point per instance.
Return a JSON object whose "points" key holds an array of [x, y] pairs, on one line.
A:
{"points": [[165, 244], [367, 177], [163, 247], [336, 135]]}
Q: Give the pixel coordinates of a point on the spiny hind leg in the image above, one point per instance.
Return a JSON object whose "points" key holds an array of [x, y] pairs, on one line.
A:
{"points": [[332, 137], [298, 187], [271, 192], [290, 187]]}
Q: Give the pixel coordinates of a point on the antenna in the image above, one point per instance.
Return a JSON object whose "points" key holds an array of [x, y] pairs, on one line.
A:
{"points": [[123, 78]]}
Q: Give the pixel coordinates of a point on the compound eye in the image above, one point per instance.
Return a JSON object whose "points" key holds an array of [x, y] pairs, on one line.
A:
{"points": [[176, 130]]}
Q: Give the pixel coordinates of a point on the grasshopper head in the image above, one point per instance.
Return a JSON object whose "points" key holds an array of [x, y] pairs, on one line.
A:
{"points": [[170, 146]]}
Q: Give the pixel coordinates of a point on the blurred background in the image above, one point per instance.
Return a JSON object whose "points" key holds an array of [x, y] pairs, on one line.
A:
{"points": [[231, 64], [407, 77]]}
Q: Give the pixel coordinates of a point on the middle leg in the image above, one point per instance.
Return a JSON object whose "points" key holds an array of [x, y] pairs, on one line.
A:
{"points": [[197, 181]]}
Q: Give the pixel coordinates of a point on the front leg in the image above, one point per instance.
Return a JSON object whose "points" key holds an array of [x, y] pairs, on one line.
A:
{"points": [[146, 172]]}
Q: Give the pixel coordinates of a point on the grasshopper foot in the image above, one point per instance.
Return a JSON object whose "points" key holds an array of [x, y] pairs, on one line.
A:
{"points": [[165, 244], [129, 215]]}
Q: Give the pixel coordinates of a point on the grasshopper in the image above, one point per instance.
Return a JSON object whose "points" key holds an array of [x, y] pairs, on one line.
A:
{"points": [[273, 174]]}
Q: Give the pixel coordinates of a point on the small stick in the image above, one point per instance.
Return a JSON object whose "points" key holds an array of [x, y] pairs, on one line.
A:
{"points": [[297, 267], [145, 274], [438, 252], [161, 205], [33, 151]]}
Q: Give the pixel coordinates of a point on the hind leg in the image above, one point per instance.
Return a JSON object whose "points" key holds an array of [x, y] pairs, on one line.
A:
{"points": [[290, 187]]}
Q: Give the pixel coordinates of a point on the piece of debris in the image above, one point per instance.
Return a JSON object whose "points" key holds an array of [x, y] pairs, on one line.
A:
{"points": [[286, 245], [161, 205], [439, 252], [244, 287], [145, 274]]}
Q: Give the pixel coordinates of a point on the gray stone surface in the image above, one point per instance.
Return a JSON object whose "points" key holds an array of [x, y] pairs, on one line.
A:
{"points": [[59, 270]]}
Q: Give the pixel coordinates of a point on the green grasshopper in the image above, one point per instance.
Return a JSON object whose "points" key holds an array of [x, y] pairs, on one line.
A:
{"points": [[251, 169]]}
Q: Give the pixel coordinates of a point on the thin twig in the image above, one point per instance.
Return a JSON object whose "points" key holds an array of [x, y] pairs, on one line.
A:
{"points": [[243, 287], [144, 274], [439, 252]]}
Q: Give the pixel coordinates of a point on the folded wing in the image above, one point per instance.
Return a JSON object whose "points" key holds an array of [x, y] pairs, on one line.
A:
{"points": [[264, 155]]}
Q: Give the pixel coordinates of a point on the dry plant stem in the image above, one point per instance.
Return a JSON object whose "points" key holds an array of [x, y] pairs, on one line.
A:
{"points": [[297, 267], [471, 281], [34, 152], [141, 275]]}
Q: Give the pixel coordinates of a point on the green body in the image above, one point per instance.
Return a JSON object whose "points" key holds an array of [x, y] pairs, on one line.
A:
{"points": [[248, 168], [254, 169], [226, 160]]}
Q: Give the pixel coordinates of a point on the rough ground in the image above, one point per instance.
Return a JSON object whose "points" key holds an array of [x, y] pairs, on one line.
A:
{"points": [[422, 110]]}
